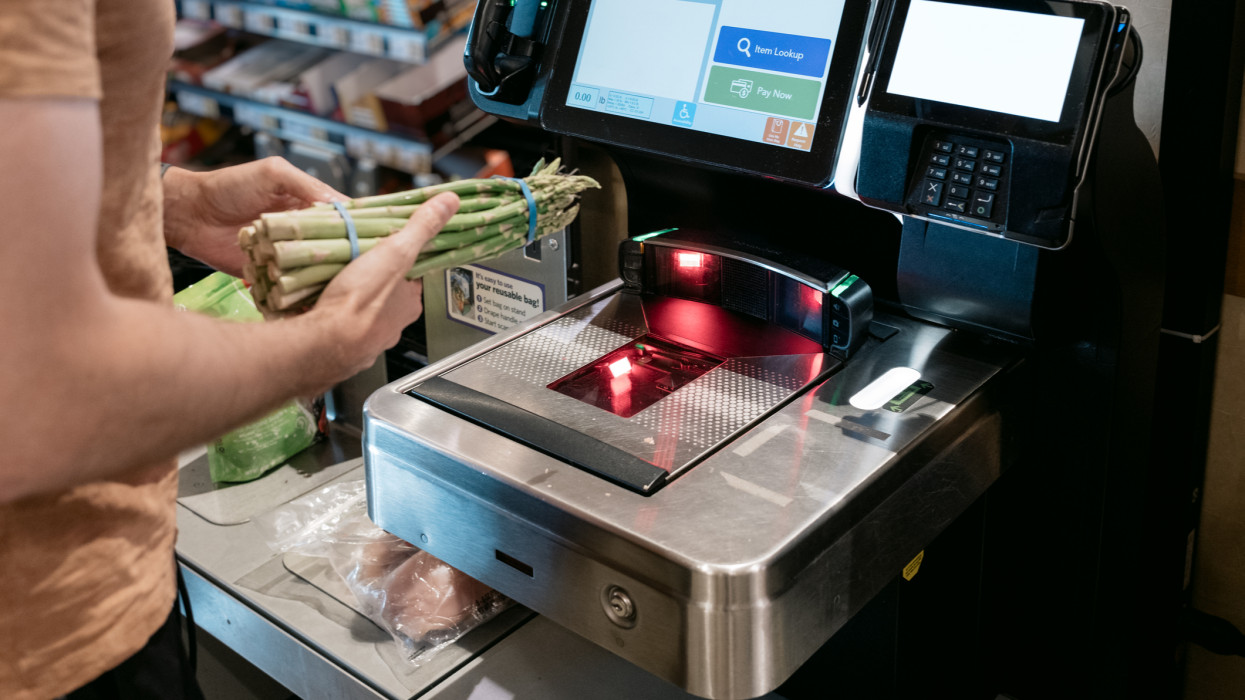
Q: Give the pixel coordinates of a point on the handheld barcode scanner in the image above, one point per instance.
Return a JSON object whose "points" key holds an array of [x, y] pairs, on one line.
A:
{"points": [[504, 47], [713, 465]]}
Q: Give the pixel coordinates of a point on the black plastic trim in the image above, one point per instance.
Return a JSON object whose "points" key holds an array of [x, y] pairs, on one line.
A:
{"points": [[542, 434]]}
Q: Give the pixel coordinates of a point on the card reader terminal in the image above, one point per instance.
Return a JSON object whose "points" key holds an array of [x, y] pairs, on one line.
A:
{"points": [[966, 180], [947, 149]]}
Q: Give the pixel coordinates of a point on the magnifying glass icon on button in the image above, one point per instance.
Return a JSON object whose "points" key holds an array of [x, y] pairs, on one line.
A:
{"points": [[744, 45]]}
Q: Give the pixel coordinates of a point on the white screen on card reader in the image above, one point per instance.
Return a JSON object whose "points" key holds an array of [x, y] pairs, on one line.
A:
{"points": [[1005, 61]]}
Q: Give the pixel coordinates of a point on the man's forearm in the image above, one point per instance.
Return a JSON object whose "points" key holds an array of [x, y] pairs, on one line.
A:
{"points": [[95, 384], [148, 382]]}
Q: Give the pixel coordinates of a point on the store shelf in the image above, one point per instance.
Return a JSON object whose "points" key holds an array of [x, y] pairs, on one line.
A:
{"points": [[403, 154], [468, 129], [398, 43]]}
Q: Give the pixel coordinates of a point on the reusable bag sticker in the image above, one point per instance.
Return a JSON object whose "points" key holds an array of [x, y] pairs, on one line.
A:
{"points": [[490, 300]]}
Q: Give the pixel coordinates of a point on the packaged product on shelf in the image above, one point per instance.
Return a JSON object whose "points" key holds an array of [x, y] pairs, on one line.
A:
{"points": [[314, 92], [429, 15], [192, 33], [420, 95], [474, 162], [201, 46], [285, 88], [274, 61], [355, 90], [184, 136], [281, 83], [329, 167], [247, 63], [329, 6], [462, 116], [363, 10], [458, 14]]}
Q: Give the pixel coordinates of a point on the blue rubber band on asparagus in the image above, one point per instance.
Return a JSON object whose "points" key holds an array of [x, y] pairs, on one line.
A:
{"points": [[531, 204], [351, 233]]}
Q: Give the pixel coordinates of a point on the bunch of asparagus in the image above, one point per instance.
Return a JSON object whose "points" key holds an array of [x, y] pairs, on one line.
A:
{"points": [[292, 255]]}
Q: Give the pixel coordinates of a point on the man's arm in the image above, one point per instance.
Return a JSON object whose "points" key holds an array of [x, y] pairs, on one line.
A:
{"points": [[94, 384]]}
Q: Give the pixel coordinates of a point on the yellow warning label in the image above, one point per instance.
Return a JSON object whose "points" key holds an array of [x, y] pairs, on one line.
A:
{"points": [[801, 136], [913, 566]]}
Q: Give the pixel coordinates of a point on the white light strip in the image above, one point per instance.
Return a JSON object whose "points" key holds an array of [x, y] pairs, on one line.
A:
{"points": [[884, 388], [757, 490], [753, 443]]}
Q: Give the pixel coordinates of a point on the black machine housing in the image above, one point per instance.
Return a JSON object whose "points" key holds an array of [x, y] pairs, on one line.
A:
{"points": [[799, 294]]}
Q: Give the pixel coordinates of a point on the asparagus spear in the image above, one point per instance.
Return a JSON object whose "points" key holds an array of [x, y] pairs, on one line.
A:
{"points": [[293, 255]]}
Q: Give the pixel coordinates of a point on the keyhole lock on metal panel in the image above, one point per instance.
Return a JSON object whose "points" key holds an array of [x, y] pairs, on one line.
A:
{"points": [[618, 606]]}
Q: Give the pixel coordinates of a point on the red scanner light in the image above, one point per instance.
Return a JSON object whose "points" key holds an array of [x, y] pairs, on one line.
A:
{"points": [[691, 260], [620, 367]]}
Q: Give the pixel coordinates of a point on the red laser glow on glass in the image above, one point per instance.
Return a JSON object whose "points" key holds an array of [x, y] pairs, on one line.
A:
{"points": [[620, 367]]}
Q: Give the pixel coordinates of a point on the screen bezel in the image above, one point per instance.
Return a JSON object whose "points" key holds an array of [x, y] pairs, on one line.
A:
{"points": [[814, 167], [1082, 83]]}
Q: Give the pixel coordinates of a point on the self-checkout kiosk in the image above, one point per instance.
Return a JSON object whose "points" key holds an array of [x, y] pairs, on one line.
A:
{"points": [[883, 255]]}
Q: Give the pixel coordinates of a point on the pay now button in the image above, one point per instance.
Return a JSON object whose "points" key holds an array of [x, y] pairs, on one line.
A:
{"points": [[763, 92]]}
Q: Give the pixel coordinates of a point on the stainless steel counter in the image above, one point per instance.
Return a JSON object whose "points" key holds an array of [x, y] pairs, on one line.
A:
{"points": [[728, 579], [292, 628]]}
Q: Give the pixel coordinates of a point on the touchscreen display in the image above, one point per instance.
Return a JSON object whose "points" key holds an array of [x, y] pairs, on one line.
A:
{"points": [[1016, 63], [737, 68]]}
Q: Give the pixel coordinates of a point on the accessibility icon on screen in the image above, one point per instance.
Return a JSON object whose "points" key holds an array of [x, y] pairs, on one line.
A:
{"points": [[684, 113]]}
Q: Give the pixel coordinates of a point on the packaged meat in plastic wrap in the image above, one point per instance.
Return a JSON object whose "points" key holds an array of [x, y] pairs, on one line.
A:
{"points": [[420, 600]]}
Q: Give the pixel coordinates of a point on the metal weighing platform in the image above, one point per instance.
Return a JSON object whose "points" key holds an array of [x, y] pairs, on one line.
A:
{"points": [[290, 618], [726, 579]]}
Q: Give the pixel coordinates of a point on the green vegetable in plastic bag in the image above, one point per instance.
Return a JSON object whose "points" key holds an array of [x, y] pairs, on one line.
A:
{"points": [[249, 452]]}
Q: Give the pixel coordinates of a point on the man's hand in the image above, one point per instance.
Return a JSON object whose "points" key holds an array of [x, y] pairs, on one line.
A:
{"points": [[142, 359], [203, 211], [370, 301]]}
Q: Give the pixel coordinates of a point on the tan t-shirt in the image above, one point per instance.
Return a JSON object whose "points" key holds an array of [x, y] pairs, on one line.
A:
{"points": [[86, 576]]}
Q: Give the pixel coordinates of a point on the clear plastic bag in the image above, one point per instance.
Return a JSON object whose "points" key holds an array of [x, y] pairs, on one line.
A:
{"points": [[250, 451], [422, 602]]}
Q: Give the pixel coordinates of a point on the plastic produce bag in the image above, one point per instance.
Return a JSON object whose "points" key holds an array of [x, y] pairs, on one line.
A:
{"points": [[422, 602], [249, 452]]}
